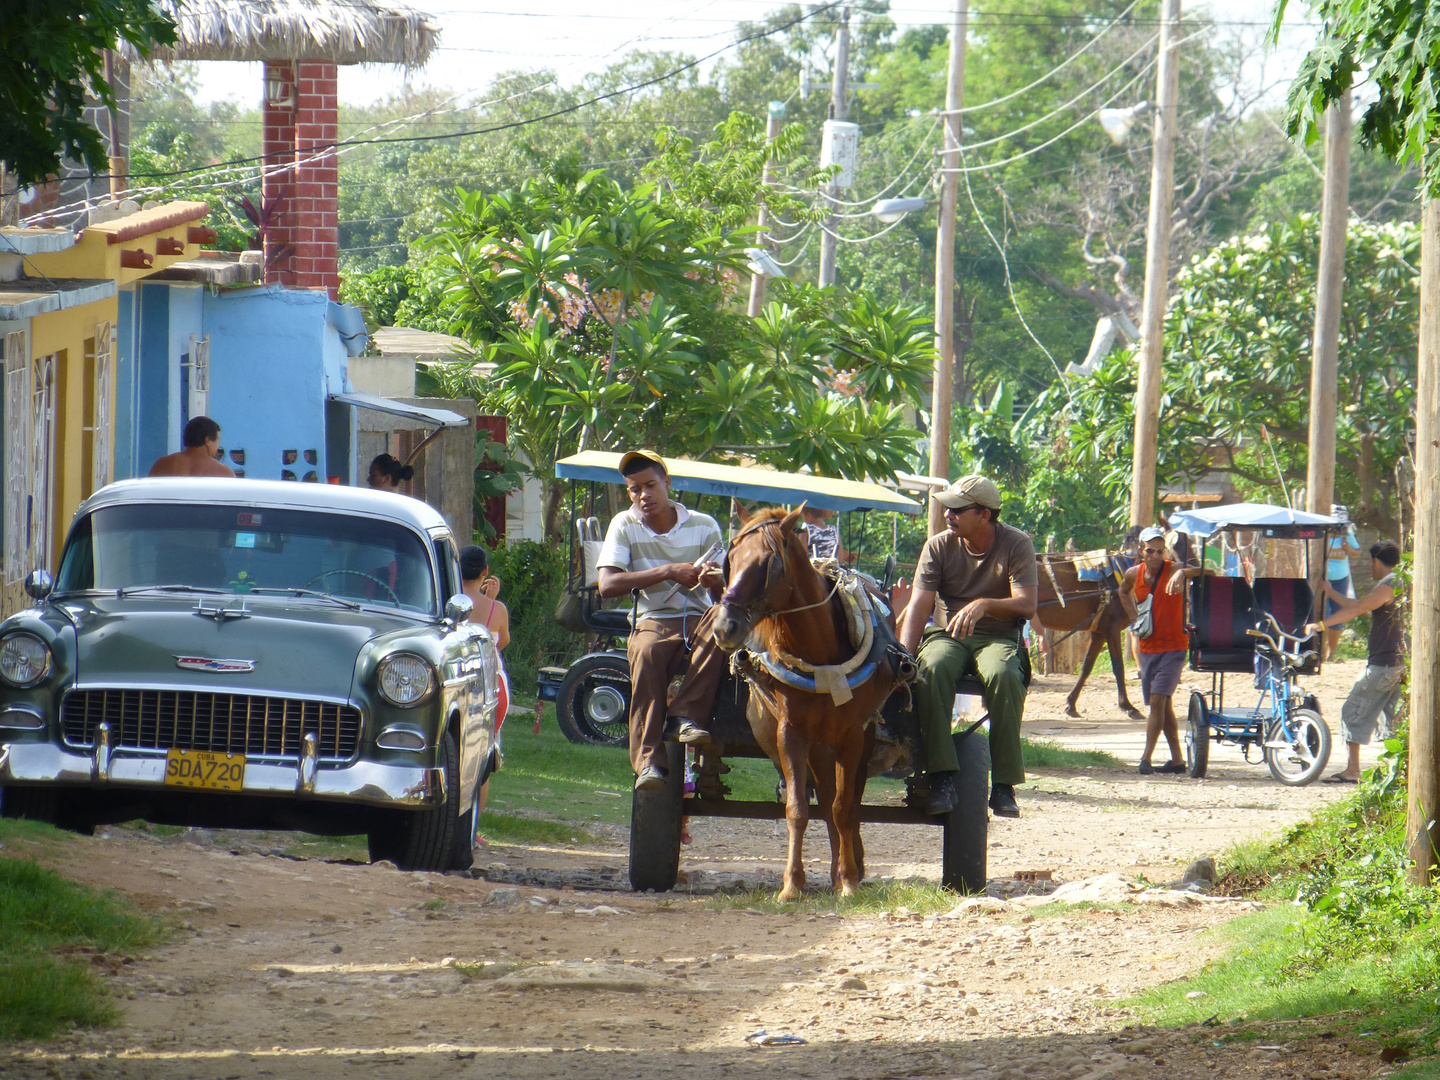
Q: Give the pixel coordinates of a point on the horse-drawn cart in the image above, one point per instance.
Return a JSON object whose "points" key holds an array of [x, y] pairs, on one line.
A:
{"points": [[592, 694]]}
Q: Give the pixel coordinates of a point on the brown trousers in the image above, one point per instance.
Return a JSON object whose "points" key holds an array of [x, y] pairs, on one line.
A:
{"points": [[657, 654]]}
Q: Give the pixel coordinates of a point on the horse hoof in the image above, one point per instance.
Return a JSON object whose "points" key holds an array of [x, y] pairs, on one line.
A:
{"points": [[1070, 710], [788, 894]]}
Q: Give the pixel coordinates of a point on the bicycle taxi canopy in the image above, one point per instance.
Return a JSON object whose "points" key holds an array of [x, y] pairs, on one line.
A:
{"points": [[747, 482], [1223, 609]]}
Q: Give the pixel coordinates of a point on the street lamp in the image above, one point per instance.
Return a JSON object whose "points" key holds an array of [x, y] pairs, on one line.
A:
{"points": [[1118, 122], [762, 264], [892, 210]]}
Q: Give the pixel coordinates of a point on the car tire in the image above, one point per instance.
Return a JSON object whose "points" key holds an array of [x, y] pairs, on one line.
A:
{"points": [[965, 842], [462, 851], [1197, 737], [423, 839], [655, 828], [593, 701]]}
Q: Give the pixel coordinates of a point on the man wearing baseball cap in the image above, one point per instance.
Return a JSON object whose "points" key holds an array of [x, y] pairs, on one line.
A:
{"points": [[983, 572], [1162, 650], [658, 547]]}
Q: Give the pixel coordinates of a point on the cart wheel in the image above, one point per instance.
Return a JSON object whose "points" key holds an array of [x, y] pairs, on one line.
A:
{"points": [[655, 828], [963, 858], [593, 702], [1197, 737], [1301, 757]]}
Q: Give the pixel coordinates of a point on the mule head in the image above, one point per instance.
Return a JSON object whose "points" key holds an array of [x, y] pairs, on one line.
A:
{"points": [[755, 579]]}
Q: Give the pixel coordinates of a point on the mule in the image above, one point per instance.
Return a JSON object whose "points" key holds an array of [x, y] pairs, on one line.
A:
{"points": [[795, 614], [1090, 606]]}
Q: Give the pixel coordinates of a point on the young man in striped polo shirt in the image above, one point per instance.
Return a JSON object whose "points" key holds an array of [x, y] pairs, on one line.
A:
{"points": [[656, 547]]}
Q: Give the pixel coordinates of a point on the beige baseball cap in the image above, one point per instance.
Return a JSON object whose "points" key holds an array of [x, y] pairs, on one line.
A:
{"points": [[972, 490], [643, 455]]}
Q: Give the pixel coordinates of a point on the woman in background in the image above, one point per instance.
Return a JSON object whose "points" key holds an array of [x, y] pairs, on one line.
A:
{"points": [[387, 474], [1339, 585], [481, 588]]}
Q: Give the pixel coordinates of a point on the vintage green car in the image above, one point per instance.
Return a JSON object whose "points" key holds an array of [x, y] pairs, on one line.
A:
{"points": [[248, 654]]}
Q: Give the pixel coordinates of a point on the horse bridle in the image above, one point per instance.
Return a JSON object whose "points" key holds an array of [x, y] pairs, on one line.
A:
{"points": [[757, 608]]}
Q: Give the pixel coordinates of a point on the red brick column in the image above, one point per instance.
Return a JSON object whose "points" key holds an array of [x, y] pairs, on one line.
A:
{"points": [[314, 226], [278, 185]]}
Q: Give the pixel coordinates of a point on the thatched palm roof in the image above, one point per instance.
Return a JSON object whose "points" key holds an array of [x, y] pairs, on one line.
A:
{"points": [[345, 31]]}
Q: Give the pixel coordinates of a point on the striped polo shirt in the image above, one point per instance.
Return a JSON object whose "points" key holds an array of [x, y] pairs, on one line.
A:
{"points": [[631, 545]]}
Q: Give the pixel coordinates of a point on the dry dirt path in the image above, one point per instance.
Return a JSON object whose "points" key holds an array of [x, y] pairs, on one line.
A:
{"points": [[287, 967]]}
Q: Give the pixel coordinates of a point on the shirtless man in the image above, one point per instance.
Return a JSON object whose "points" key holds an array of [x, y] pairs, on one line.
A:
{"points": [[201, 453]]}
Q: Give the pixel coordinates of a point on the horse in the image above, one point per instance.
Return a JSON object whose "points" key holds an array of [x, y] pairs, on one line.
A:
{"points": [[799, 623], [1092, 606]]}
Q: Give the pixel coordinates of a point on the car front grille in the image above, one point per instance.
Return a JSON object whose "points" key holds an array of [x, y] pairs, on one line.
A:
{"points": [[222, 723]]}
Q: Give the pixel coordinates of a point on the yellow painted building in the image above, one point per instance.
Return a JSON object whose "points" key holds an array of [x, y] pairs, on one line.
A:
{"points": [[59, 302]]}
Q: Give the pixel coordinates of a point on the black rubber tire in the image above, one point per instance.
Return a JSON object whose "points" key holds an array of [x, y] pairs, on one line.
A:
{"points": [[1197, 737], [607, 673], [462, 850], [1296, 768], [423, 839], [655, 828], [965, 843]]}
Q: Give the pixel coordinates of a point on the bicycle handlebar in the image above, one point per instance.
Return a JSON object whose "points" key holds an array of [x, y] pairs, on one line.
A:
{"points": [[1296, 658]]}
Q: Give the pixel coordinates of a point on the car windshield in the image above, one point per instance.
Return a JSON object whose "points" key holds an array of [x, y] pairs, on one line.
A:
{"points": [[248, 550]]}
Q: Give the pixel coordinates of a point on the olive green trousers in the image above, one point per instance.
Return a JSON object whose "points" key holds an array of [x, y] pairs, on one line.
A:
{"points": [[1003, 667]]}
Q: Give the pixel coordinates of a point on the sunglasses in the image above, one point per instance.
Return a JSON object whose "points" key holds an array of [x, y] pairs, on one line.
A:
{"points": [[957, 511]]}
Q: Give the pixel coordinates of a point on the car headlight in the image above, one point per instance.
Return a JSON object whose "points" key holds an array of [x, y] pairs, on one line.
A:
{"points": [[24, 659], [405, 679]]}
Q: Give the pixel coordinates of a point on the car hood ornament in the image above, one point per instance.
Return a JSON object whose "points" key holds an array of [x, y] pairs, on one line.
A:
{"points": [[214, 665]]}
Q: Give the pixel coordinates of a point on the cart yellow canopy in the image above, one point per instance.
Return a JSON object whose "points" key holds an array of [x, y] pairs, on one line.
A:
{"points": [[747, 483]]}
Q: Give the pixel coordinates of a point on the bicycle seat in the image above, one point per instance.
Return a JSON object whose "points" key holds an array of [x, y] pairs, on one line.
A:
{"points": [[613, 622]]}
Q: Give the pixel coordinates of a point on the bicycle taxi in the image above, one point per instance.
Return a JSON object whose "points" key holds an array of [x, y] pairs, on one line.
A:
{"points": [[1252, 622], [592, 694]]}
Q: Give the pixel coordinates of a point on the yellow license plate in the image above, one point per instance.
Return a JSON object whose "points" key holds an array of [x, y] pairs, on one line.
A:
{"points": [[202, 769]]}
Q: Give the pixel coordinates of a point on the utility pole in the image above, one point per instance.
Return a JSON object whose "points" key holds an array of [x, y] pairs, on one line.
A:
{"points": [[1157, 269], [1423, 798], [838, 93], [757, 281], [942, 379], [1329, 296]]}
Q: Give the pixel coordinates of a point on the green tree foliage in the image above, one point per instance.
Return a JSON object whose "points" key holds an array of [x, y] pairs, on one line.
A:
{"points": [[54, 59], [1237, 345]]}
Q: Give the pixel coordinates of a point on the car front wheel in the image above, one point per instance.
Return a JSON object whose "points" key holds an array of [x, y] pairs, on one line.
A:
{"points": [[422, 839]]}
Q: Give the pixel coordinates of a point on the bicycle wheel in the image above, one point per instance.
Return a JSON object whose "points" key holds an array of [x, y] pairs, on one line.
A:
{"points": [[1197, 737], [1299, 752]]}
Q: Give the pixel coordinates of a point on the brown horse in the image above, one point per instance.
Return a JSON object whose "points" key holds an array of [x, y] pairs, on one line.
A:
{"points": [[772, 589], [1090, 606]]}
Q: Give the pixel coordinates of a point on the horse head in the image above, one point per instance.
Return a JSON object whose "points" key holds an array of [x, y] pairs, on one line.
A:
{"points": [[756, 582]]}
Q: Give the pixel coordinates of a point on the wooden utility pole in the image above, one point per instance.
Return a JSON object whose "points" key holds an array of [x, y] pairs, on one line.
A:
{"points": [[942, 380], [1157, 270], [1423, 805], [838, 94], [1329, 297], [757, 281]]}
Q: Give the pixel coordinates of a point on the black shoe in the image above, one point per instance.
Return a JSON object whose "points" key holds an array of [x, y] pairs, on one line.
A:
{"points": [[943, 796], [1146, 768], [1002, 800], [651, 778]]}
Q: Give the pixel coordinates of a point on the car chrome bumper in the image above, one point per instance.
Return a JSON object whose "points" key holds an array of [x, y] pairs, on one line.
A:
{"points": [[363, 782]]}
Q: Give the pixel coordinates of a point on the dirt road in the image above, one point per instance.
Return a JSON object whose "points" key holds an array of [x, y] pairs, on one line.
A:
{"points": [[291, 967]]}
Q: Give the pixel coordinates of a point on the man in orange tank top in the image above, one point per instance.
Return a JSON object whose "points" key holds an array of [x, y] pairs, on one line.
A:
{"points": [[1162, 651]]}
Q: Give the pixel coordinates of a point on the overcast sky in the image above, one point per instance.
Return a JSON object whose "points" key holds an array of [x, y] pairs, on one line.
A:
{"points": [[479, 38]]}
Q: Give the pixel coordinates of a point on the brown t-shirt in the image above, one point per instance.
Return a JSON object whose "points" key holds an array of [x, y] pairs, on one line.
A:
{"points": [[957, 576]]}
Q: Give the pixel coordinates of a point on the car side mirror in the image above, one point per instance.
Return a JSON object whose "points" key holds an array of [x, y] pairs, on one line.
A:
{"points": [[458, 609], [38, 584]]}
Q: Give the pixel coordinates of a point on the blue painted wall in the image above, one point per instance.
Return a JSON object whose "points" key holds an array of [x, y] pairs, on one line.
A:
{"points": [[125, 326], [152, 377], [274, 360]]}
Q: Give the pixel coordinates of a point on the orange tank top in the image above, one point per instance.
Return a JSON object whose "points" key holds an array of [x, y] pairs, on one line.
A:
{"points": [[1167, 613]]}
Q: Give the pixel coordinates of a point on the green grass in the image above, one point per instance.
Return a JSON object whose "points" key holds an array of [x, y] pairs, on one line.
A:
{"points": [[872, 898], [43, 916], [1044, 754], [513, 829]]}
